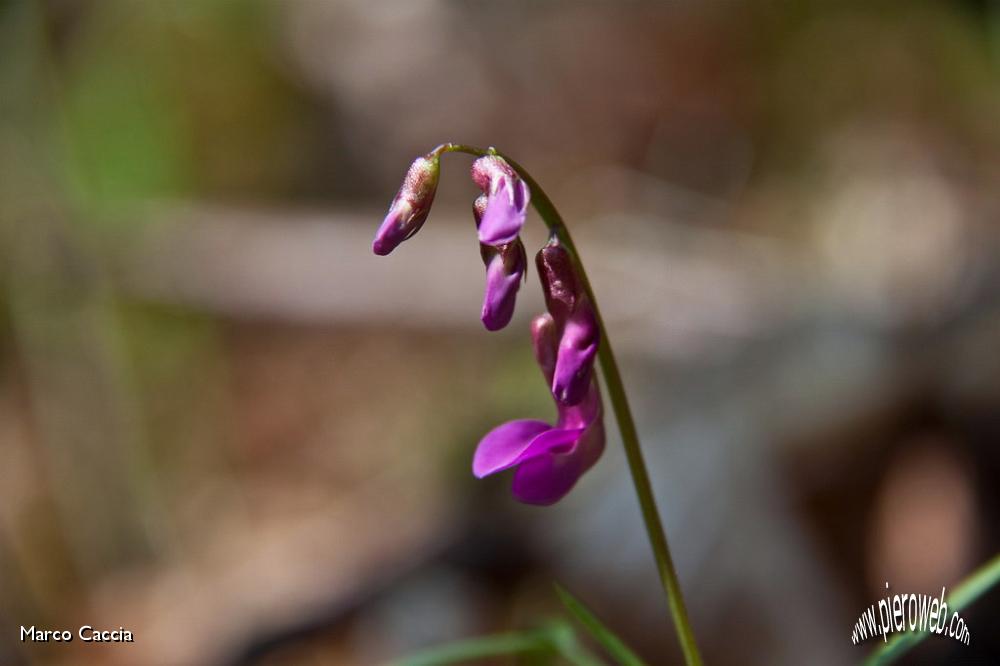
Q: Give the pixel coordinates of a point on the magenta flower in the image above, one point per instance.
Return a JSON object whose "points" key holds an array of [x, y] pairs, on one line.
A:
{"points": [[505, 268], [575, 321], [549, 459], [507, 200], [410, 207]]}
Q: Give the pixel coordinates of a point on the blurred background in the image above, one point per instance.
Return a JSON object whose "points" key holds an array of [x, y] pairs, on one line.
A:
{"points": [[228, 427]]}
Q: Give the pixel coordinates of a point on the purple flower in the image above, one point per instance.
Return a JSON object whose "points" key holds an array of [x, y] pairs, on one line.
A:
{"points": [[549, 459], [575, 322], [505, 268], [409, 209], [507, 200]]}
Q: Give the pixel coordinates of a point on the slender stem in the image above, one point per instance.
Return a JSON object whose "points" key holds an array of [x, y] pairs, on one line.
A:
{"points": [[619, 402], [970, 589]]}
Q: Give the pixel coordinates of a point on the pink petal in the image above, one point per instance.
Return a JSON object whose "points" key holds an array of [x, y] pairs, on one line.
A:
{"points": [[502, 219], [545, 479], [504, 446], [575, 361], [503, 279], [585, 413]]}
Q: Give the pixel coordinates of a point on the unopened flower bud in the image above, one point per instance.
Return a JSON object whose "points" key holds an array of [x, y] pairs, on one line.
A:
{"points": [[504, 272], [559, 281], [505, 268], [411, 205], [575, 321]]}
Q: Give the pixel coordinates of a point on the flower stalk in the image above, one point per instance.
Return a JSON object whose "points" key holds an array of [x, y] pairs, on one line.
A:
{"points": [[619, 402]]}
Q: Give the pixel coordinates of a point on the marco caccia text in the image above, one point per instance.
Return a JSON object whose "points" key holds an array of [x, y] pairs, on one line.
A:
{"points": [[86, 633]]}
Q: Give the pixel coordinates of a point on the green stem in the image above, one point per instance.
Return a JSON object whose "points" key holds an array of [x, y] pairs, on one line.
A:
{"points": [[973, 587], [619, 402]]}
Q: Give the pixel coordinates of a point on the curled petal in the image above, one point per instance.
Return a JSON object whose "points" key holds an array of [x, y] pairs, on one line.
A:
{"points": [[504, 446], [545, 478], [409, 209], [585, 413], [575, 358], [549, 460], [504, 271], [505, 213]]}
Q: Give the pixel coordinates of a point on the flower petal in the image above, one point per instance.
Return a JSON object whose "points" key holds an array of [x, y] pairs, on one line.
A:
{"points": [[396, 227], [505, 213], [504, 270], [500, 296], [545, 479], [504, 446], [585, 413], [575, 359]]}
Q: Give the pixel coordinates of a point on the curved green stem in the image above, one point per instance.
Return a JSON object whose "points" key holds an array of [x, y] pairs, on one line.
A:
{"points": [[619, 402]]}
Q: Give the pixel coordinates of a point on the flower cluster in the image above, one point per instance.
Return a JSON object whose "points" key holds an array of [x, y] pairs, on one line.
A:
{"points": [[548, 459]]}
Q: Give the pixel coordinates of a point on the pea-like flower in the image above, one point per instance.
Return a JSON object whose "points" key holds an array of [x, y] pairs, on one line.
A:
{"points": [[408, 210], [575, 322], [549, 460], [505, 268], [507, 198]]}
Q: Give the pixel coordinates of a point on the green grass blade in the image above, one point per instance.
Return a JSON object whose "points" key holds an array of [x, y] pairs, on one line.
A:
{"points": [[569, 647], [607, 639], [973, 587]]}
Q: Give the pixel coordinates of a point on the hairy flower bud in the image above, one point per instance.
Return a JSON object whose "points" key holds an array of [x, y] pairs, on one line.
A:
{"points": [[507, 198], [574, 319], [411, 205], [559, 281]]}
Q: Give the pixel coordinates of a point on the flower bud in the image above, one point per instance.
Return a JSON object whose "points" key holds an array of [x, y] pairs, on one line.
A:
{"points": [[505, 268], [504, 271], [507, 198], [575, 322], [411, 205], [559, 281], [478, 208]]}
